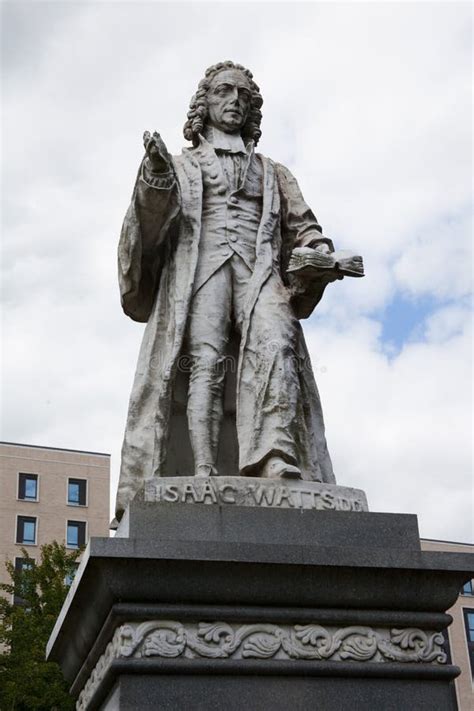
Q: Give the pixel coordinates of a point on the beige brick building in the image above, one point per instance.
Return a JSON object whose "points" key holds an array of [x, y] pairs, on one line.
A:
{"points": [[461, 631], [49, 494]]}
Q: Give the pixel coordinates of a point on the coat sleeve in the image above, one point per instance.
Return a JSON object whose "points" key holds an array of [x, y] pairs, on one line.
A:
{"points": [[300, 227], [153, 210]]}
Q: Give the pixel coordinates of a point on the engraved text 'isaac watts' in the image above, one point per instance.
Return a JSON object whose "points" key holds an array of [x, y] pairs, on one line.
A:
{"points": [[221, 256]]}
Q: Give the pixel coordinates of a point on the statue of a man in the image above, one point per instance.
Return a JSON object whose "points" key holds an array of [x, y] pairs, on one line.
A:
{"points": [[202, 259]]}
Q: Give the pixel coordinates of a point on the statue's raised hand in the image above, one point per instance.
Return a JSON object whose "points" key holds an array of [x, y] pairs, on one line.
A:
{"points": [[159, 160]]}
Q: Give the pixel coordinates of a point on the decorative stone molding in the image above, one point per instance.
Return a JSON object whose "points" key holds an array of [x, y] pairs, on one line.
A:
{"points": [[168, 639]]}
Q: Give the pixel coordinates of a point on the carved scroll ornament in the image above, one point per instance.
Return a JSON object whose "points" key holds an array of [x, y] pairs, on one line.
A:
{"points": [[168, 639]]}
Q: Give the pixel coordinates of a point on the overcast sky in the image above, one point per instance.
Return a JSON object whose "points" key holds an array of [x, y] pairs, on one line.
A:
{"points": [[369, 105]]}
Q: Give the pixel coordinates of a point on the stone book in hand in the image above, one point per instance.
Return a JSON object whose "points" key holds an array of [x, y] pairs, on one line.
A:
{"points": [[310, 262]]}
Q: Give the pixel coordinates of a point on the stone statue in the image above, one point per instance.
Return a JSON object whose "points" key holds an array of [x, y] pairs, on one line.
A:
{"points": [[224, 384]]}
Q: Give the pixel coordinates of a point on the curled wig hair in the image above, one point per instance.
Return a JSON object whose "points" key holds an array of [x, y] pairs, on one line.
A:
{"points": [[198, 111]]}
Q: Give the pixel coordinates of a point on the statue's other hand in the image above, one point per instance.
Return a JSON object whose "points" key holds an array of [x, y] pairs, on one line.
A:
{"points": [[324, 248], [159, 160]]}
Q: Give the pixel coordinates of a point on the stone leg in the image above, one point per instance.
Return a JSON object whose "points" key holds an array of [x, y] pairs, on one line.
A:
{"points": [[267, 408], [207, 337]]}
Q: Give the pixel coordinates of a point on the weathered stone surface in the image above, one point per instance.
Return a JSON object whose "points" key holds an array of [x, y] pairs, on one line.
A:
{"points": [[252, 491], [224, 380]]}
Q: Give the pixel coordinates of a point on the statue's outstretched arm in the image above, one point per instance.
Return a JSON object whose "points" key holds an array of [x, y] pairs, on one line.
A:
{"points": [[147, 225], [156, 194]]}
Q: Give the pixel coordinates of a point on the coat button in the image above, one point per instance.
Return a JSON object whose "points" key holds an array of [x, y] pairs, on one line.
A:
{"points": [[221, 190], [213, 176], [234, 200], [233, 238]]}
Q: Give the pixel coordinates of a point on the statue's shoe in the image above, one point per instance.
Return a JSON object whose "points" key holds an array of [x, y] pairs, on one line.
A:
{"points": [[276, 468], [205, 470]]}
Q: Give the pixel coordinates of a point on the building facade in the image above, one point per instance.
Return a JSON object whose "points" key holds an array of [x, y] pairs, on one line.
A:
{"points": [[49, 494], [461, 631]]}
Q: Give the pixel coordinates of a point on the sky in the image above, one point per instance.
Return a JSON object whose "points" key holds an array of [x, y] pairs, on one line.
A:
{"points": [[368, 104]]}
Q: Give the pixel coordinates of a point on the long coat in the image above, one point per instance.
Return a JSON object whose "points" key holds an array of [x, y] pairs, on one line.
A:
{"points": [[157, 258]]}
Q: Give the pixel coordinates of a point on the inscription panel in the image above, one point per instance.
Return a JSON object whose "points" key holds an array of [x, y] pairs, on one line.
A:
{"points": [[248, 491]]}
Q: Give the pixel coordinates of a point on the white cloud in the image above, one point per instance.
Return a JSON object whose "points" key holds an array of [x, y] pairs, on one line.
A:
{"points": [[447, 322], [369, 105], [399, 427], [438, 261]]}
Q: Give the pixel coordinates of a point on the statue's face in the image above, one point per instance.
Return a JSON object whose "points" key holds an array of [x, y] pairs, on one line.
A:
{"points": [[228, 100]]}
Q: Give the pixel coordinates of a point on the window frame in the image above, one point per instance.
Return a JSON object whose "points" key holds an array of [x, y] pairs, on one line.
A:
{"points": [[66, 577], [25, 543], [469, 643], [74, 521], [71, 503], [27, 474], [468, 593], [17, 599]]}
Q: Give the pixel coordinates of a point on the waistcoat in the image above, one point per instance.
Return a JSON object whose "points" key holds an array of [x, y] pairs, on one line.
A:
{"points": [[230, 213]]}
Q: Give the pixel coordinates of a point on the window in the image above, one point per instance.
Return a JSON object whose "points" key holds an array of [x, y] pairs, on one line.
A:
{"points": [[26, 530], [77, 492], [23, 564], [469, 622], [69, 578], [20, 565], [467, 588], [28, 487], [76, 534]]}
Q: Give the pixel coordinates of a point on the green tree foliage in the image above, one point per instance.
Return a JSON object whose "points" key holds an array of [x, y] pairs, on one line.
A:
{"points": [[27, 681]]}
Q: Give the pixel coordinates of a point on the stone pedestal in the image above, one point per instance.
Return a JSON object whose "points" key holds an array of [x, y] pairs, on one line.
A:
{"points": [[233, 607]]}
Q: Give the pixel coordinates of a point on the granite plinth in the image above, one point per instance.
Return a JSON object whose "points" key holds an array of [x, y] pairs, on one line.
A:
{"points": [[216, 607], [257, 692]]}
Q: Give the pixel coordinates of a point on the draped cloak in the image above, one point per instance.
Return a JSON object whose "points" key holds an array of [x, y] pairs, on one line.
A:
{"points": [[157, 259]]}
